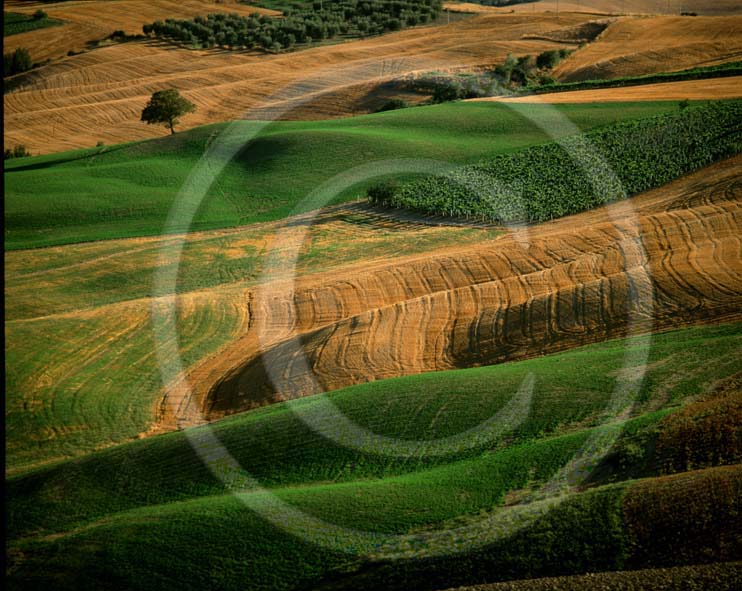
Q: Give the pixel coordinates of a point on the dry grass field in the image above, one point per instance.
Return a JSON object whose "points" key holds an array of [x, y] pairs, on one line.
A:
{"points": [[87, 21], [637, 46], [97, 96], [701, 7], [714, 89]]}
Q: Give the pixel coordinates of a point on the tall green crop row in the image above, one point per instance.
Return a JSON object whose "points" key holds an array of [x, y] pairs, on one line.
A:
{"points": [[580, 172]]}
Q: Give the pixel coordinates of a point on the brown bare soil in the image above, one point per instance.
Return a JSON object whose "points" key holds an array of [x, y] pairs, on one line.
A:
{"points": [[712, 89], [637, 46], [93, 20], [98, 96], [667, 258]]}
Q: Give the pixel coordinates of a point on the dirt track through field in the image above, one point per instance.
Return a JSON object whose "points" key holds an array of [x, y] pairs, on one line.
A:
{"points": [[712, 89], [573, 281]]}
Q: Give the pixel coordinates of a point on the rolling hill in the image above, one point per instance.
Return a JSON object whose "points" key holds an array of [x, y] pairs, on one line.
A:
{"points": [[356, 364], [269, 176], [126, 509]]}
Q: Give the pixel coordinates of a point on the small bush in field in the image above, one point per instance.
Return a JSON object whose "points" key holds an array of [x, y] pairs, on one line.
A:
{"points": [[382, 193], [393, 104]]}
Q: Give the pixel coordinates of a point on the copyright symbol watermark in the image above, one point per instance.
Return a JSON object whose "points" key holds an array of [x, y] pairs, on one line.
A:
{"points": [[290, 368]]}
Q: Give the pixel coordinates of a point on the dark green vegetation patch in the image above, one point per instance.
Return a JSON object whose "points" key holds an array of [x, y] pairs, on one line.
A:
{"points": [[581, 172], [299, 25], [702, 73], [15, 23]]}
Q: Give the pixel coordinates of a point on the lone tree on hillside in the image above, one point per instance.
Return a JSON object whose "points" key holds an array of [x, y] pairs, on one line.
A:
{"points": [[165, 107]]}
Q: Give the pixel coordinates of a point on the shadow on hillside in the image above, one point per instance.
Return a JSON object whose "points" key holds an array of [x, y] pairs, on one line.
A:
{"points": [[56, 161]]}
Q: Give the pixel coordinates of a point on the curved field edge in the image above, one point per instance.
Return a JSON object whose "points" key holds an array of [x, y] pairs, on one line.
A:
{"points": [[276, 446], [128, 190]]}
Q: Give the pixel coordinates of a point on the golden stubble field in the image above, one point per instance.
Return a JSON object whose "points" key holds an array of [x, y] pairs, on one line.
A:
{"points": [[98, 96]]}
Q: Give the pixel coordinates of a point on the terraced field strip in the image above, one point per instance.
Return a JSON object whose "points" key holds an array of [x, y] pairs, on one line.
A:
{"points": [[83, 370], [82, 366]]}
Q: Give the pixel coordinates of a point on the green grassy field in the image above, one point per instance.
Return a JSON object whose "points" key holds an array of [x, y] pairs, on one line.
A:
{"points": [[14, 23], [150, 515], [127, 190], [82, 368]]}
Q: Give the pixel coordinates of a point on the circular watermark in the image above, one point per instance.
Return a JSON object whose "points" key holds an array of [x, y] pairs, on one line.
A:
{"points": [[277, 284]]}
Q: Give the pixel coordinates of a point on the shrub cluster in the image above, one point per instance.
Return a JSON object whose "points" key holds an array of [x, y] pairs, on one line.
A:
{"points": [[393, 105], [16, 62], [18, 151], [501, 2], [514, 73], [323, 20], [580, 172]]}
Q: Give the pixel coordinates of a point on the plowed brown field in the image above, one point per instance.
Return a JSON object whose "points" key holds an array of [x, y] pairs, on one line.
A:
{"points": [[572, 281]]}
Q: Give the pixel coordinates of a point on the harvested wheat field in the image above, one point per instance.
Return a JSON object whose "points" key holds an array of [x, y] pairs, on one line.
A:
{"points": [[99, 95], [677, 43], [525, 294], [701, 7], [94, 20], [713, 89]]}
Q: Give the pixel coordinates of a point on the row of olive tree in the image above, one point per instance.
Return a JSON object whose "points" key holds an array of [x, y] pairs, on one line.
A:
{"points": [[320, 21]]}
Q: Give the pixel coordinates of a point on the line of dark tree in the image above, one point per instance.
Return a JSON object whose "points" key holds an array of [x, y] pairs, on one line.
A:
{"points": [[16, 62], [327, 19]]}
